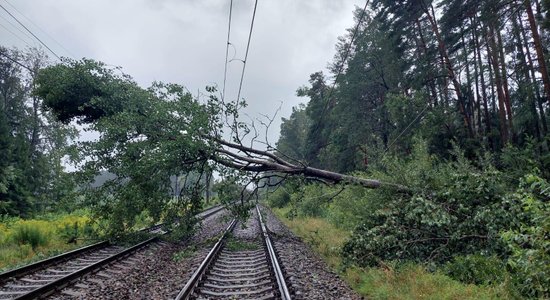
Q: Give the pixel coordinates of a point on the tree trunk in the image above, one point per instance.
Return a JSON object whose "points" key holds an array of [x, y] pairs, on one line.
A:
{"points": [[254, 160], [505, 88], [450, 70], [208, 178], [524, 67], [482, 79], [538, 47], [539, 99], [476, 81], [501, 107], [470, 104], [431, 82]]}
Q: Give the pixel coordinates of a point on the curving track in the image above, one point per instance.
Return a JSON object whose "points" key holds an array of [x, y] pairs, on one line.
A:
{"points": [[231, 273], [45, 277]]}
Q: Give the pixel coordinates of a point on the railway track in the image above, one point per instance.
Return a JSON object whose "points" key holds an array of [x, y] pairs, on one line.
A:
{"points": [[229, 273], [45, 277]]}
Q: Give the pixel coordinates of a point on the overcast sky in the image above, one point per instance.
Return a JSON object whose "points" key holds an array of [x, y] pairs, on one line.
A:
{"points": [[183, 41]]}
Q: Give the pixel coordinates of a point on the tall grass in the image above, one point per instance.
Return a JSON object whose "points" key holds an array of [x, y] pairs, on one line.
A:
{"points": [[22, 241], [30, 233]]}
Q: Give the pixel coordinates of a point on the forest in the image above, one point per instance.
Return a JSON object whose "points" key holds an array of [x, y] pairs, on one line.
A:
{"points": [[426, 149], [449, 98]]}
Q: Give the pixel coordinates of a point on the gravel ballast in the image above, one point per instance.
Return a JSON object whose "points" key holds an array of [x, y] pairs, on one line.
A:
{"points": [[307, 276], [160, 270], [157, 272]]}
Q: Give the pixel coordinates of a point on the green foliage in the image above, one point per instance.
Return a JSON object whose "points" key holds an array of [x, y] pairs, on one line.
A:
{"points": [[530, 244], [32, 143], [311, 200], [186, 253], [350, 205], [233, 244], [31, 234], [279, 198], [145, 136], [24, 240], [391, 280], [69, 90], [294, 135], [517, 162], [476, 269], [70, 232], [228, 190], [457, 208]]}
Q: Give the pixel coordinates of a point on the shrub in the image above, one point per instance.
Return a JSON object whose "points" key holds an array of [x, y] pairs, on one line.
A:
{"points": [[530, 243], [280, 198], [455, 208], [72, 227], [312, 200], [476, 269], [350, 206], [29, 233]]}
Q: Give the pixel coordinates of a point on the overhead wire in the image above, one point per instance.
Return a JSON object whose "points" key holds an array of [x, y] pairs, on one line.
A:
{"points": [[247, 48], [40, 29], [29, 31], [25, 34], [15, 35], [227, 49], [16, 61]]}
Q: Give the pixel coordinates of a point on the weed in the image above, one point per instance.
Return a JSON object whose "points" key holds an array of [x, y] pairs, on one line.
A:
{"points": [[187, 252], [31, 234], [233, 244]]}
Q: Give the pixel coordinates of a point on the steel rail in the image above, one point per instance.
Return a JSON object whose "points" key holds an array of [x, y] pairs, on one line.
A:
{"points": [[62, 282], [283, 288], [197, 275], [24, 270]]}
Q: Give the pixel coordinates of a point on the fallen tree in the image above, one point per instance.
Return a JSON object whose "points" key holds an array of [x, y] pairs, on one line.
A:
{"points": [[147, 135]]}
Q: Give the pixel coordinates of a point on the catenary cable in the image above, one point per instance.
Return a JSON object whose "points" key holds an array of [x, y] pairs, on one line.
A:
{"points": [[29, 31]]}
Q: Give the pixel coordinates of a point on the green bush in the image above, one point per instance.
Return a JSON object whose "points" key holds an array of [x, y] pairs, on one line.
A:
{"points": [[70, 233], [476, 269], [350, 205], [31, 234], [280, 198], [530, 243], [311, 201], [455, 208]]}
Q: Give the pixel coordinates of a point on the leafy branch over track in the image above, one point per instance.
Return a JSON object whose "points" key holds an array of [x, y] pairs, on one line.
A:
{"points": [[148, 135]]}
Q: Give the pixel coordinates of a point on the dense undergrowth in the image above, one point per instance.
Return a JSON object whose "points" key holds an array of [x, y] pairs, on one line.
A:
{"points": [[388, 281], [467, 224], [26, 240]]}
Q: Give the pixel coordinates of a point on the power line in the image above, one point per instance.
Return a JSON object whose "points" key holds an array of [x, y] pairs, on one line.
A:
{"points": [[43, 31], [247, 47], [15, 35], [342, 64], [17, 62], [27, 29], [25, 34], [227, 49]]}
